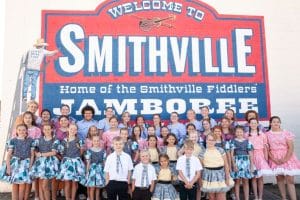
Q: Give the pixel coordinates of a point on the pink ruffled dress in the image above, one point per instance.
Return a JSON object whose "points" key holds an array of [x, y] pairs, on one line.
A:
{"points": [[277, 142], [259, 142]]}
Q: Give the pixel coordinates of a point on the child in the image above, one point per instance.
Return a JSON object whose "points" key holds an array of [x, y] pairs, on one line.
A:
{"points": [[282, 159], [230, 114], [62, 130], [140, 121], [189, 168], [157, 123], [44, 119], [191, 119], [260, 156], [95, 157], [117, 170], [136, 137], [45, 167], [153, 150], [125, 122], [164, 131], [33, 131], [152, 131], [164, 188], [143, 178], [177, 128], [216, 180], [171, 150], [71, 168], [241, 157], [193, 136], [93, 131], [217, 131], [112, 132], [205, 115], [130, 147], [249, 115], [206, 128], [18, 162], [104, 124]]}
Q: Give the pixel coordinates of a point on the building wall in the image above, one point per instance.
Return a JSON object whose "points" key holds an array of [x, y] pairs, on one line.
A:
{"points": [[282, 27]]}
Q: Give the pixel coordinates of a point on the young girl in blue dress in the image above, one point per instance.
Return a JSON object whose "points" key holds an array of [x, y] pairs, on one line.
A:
{"points": [[242, 162], [46, 165], [72, 168], [95, 180], [19, 160]]}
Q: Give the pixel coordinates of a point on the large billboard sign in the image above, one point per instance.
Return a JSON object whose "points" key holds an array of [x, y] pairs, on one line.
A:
{"points": [[155, 56]]}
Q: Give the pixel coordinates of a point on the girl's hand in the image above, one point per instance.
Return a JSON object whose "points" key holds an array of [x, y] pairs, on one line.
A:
{"points": [[227, 181], [8, 171]]}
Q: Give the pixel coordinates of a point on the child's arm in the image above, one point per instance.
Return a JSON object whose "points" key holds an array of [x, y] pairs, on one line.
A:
{"points": [[136, 157], [180, 152], [251, 161], [227, 171], [128, 176], [152, 186], [233, 166], [106, 178], [183, 178], [289, 153], [88, 165], [8, 158], [133, 185], [31, 158], [195, 179]]}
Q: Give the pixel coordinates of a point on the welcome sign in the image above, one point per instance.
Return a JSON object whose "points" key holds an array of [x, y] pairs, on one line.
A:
{"points": [[155, 56]]}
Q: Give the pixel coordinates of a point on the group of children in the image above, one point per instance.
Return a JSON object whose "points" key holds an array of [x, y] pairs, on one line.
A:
{"points": [[149, 161]]}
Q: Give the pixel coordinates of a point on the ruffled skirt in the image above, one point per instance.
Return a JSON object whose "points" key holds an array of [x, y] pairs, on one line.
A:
{"points": [[71, 169], [164, 192], [45, 168], [95, 177]]}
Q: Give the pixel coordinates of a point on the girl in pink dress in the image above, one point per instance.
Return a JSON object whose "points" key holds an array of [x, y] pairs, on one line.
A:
{"points": [[33, 131], [109, 135], [62, 131], [282, 158], [260, 156], [152, 131], [136, 137], [93, 131]]}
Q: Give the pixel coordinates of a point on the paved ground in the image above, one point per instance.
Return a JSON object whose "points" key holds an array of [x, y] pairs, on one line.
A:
{"points": [[271, 193]]}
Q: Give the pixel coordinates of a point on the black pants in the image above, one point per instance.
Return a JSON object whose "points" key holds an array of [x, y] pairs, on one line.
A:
{"points": [[117, 189], [141, 194], [187, 194]]}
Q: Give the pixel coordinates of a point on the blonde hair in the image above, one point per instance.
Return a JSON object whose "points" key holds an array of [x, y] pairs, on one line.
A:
{"points": [[189, 144]]}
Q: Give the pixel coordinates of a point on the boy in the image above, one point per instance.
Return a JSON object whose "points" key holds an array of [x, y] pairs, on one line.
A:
{"points": [[143, 178], [188, 167], [117, 170]]}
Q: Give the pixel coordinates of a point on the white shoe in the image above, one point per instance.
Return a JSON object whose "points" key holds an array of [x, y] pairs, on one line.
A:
{"points": [[82, 197]]}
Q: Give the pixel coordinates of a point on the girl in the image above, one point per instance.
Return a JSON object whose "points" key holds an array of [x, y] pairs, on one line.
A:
{"points": [[61, 132], [72, 167], [18, 163], [93, 131], [65, 111], [227, 132], [217, 131], [125, 122], [153, 150], [205, 115], [33, 131], [216, 180], [95, 180], [171, 150], [206, 127], [164, 188], [104, 124], [164, 131], [109, 135], [282, 159], [241, 157], [177, 128], [140, 121], [230, 114], [130, 147], [249, 115], [45, 167], [45, 118], [192, 128], [152, 131], [260, 157], [157, 124], [136, 137]]}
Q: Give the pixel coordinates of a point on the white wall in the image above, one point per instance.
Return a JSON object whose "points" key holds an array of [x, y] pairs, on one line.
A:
{"points": [[23, 26]]}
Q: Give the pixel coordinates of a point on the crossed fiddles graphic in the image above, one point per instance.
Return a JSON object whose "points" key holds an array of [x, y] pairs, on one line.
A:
{"points": [[146, 24]]}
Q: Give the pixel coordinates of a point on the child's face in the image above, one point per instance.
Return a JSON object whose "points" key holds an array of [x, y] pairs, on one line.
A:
{"points": [[64, 122], [275, 123], [174, 118], [152, 142], [204, 112], [190, 115], [96, 141], [218, 132], [229, 114], [190, 129], [88, 115], [21, 132], [253, 124], [72, 130], [194, 137], [151, 131], [239, 133], [137, 132], [113, 123], [93, 131], [145, 158], [206, 125], [27, 119], [210, 141], [164, 132], [47, 131], [188, 151], [171, 140], [140, 121], [156, 119], [32, 108], [225, 123], [118, 146], [124, 135], [65, 110], [163, 162], [45, 116], [126, 118], [109, 113], [251, 115]]}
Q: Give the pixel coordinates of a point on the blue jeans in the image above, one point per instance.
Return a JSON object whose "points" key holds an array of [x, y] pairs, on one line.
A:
{"points": [[30, 77]]}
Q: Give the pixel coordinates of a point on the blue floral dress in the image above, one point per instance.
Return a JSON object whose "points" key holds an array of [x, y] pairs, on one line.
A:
{"points": [[45, 167], [19, 162]]}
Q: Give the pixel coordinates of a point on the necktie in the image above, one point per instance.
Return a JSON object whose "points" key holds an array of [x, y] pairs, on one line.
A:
{"points": [[145, 176], [118, 163], [188, 167]]}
